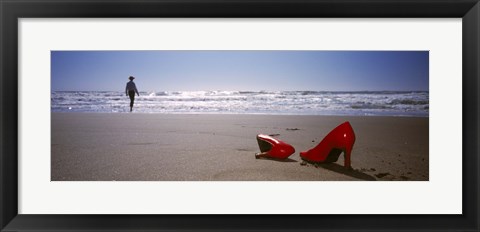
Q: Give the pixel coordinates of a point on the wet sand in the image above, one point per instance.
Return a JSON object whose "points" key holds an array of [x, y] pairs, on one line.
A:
{"points": [[181, 147]]}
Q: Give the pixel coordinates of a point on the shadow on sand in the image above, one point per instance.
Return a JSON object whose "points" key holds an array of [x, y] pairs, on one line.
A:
{"points": [[287, 160], [349, 172]]}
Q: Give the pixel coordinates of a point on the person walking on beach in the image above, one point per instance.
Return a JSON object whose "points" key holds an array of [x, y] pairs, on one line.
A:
{"points": [[130, 91]]}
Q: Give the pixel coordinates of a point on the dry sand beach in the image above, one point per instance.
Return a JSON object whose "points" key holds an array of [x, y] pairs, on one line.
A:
{"points": [[211, 147]]}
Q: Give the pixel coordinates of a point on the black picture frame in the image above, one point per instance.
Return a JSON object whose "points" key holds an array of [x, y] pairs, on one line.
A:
{"points": [[11, 11]]}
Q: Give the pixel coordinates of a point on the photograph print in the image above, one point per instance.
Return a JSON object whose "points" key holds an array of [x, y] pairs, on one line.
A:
{"points": [[231, 115]]}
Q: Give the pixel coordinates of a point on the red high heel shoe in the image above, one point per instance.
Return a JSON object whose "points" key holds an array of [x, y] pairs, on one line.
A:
{"points": [[328, 150], [273, 148]]}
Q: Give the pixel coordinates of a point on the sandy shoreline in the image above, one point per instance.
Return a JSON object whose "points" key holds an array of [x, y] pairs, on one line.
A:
{"points": [[175, 147]]}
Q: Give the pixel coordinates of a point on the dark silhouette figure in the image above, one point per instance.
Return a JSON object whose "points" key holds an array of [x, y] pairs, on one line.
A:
{"points": [[130, 91]]}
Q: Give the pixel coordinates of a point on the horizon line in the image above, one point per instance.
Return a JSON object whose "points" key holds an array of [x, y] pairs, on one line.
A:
{"points": [[247, 90]]}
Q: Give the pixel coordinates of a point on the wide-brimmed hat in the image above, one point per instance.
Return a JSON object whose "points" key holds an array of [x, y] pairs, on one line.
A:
{"points": [[131, 77]]}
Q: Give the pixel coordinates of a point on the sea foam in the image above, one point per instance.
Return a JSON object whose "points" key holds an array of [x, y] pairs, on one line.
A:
{"points": [[389, 103]]}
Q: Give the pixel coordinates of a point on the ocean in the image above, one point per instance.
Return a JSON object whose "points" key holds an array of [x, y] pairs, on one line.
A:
{"points": [[359, 103]]}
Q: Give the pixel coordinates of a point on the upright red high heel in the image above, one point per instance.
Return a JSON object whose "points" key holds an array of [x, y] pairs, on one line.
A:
{"points": [[328, 150], [273, 148]]}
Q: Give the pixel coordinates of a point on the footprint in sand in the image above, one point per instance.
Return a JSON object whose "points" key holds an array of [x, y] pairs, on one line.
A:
{"points": [[383, 174], [388, 176]]}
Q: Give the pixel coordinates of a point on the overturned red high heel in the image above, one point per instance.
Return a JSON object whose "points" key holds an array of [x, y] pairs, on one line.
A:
{"points": [[340, 139], [273, 148]]}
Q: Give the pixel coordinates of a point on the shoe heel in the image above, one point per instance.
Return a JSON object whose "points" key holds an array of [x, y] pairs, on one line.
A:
{"points": [[346, 162]]}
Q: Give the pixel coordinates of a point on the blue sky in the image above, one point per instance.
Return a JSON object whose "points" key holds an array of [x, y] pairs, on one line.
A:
{"points": [[240, 70]]}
